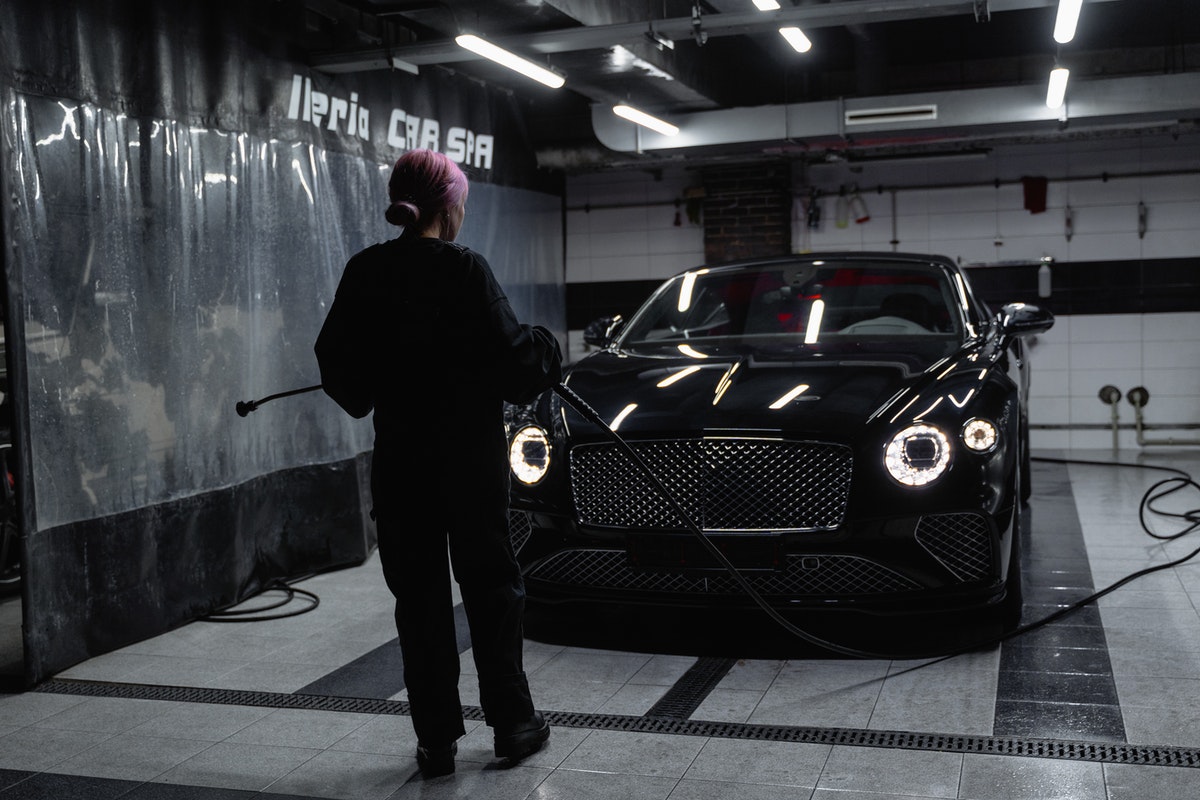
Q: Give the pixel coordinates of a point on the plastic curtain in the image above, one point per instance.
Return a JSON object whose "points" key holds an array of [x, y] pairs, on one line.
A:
{"points": [[169, 271]]}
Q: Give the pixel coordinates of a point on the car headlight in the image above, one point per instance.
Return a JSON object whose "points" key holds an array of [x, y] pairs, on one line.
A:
{"points": [[529, 454], [980, 435], [917, 455]]}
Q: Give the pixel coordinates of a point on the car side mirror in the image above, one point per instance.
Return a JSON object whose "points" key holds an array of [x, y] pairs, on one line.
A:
{"points": [[600, 332], [1023, 319]]}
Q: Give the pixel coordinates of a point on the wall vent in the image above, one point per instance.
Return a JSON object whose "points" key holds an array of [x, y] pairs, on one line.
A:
{"points": [[873, 116]]}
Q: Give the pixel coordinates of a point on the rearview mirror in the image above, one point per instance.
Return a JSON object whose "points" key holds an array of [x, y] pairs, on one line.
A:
{"points": [[1024, 319]]}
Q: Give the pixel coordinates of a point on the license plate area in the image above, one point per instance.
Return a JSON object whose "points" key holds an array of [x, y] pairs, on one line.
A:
{"points": [[685, 554]]}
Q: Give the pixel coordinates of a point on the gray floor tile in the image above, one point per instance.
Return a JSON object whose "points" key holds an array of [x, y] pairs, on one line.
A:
{"points": [[633, 699], [1178, 725], [635, 753], [301, 728], [727, 790], [201, 722], [107, 715], [728, 705], [39, 749], [470, 781], [1127, 782], [1008, 777], [32, 707], [347, 776], [571, 785], [238, 766], [133, 758], [385, 735], [777, 763], [898, 772], [1159, 692], [953, 713]]}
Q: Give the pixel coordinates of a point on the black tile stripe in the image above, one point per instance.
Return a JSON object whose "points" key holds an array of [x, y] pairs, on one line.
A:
{"points": [[1057, 681], [1064, 749], [379, 673], [682, 699]]}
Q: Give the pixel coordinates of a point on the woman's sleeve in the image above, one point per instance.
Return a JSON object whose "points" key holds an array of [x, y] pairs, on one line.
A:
{"points": [[528, 357], [343, 346]]}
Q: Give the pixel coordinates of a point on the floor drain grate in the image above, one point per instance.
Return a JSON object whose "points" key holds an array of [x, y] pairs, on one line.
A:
{"points": [[1111, 753]]}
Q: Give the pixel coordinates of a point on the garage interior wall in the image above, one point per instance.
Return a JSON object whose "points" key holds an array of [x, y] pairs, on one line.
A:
{"points": [[1125, 275], [172, 245]]}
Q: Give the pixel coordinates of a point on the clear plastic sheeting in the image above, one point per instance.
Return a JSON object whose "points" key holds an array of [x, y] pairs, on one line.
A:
{"points": [[166, 272]]}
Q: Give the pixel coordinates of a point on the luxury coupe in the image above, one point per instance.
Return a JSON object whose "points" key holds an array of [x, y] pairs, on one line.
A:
{"points": [[848, 429]]}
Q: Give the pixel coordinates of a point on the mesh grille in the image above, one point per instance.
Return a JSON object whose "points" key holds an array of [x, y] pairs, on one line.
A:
{"points": [[823, 575], [961, 542], [722, 484], [520, 526]]}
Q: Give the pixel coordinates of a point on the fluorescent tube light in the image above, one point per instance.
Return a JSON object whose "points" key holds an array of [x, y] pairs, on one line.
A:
{"points": [[1067, 19], [796, 38], [766, 5], [510, 60], [1056, 92], [645, 120]]}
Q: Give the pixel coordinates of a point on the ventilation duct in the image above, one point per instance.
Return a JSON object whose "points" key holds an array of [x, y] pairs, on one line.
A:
{"points": [[877, 116]]}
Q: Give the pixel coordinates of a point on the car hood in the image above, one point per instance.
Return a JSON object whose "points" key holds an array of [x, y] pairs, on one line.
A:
{"points": [[663, 390]]}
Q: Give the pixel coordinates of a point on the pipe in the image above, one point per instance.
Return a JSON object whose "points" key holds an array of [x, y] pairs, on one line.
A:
{"points": [[1138, 397]]}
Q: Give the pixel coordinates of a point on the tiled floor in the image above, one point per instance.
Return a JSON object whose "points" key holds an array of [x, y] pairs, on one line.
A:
{"points": [[1101, 705]]}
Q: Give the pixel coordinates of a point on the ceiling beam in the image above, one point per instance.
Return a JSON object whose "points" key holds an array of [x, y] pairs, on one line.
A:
{"points": [[599, 37]]}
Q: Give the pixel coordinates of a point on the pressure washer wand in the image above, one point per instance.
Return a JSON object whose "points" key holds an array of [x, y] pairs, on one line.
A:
{"points": [[244, 407]]}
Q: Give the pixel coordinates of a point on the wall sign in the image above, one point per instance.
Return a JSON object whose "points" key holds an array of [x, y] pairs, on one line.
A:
{"points": [[349, 117]]}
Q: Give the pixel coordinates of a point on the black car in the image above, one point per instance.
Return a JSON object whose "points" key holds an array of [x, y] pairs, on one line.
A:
{"points": [[849, 429]]}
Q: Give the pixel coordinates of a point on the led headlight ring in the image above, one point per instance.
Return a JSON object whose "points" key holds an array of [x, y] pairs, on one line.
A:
{"points": [[529, 454], [917, 455]]}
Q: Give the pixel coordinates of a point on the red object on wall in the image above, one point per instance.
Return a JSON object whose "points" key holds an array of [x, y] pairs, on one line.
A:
{"points": [[1035, 194]]}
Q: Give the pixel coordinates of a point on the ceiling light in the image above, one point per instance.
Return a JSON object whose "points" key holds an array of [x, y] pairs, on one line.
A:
{"points": [[1067, 19], [796, 38], [645, 120], [766, 5], [510, 60], [1056, 92]]}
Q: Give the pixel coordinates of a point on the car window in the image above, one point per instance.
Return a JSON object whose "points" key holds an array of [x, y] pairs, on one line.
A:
{"points": [[810, 301]]}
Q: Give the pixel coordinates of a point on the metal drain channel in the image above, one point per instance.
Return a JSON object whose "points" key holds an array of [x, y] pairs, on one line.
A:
{"points": [[1109, 753]]}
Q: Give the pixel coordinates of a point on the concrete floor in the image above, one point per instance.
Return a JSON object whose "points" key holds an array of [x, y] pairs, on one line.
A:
{"points": [[1101, 705]]}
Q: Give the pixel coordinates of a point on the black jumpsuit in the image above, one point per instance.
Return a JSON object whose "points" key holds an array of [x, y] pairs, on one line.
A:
{"points": [[421, 331]]}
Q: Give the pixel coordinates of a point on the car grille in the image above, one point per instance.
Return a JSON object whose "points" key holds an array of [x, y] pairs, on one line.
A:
{"points": [[822, 575], [961, 542], [724, 484], [520, 526]]}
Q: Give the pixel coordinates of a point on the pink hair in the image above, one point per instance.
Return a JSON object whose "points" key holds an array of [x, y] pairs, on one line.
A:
{"points": [[424, 183]]}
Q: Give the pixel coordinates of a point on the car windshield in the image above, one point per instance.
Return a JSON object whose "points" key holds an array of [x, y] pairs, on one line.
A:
{"points": [[808, 301]]}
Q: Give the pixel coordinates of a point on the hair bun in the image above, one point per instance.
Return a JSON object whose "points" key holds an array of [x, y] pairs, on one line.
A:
{"points": [[402, 213]]}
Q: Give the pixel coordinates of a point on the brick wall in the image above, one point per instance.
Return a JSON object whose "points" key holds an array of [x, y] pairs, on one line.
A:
{"points": [[747, 211]]}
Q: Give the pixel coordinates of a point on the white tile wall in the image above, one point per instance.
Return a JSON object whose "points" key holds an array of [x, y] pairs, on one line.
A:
{"points": [[1079, 355]]}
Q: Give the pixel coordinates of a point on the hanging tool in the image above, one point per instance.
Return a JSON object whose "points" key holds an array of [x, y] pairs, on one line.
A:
{"points": [[858, 206]]}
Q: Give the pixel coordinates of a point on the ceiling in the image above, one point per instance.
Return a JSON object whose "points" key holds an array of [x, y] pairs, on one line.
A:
{"points": [[884, 78]]}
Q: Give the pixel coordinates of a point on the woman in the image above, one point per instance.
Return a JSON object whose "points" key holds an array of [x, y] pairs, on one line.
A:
{"points": [[421, 332]]}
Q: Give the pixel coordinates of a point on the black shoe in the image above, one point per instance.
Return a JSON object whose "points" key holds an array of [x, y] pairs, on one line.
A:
{"points": [[525, 739], [436, 761]]}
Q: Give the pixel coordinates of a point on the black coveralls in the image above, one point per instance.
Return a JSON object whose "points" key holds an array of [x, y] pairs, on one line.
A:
{"points": [[421, 331]]}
